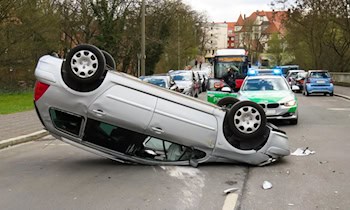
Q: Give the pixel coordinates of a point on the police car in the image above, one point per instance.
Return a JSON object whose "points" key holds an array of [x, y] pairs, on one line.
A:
{"points": [[266, 87]]}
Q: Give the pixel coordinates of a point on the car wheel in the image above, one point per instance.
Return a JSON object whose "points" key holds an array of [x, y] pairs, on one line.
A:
{"points": [[247, 120], [331, 94], [227, 102], [110, 63], [84, 68]]}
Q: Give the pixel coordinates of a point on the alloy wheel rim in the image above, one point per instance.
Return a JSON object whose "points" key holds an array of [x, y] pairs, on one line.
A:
{"points": [[84, 64], [247, 119]]}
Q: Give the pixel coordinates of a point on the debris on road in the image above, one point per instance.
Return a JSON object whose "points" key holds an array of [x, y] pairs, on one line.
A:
{"points": [[231, 182], [303, 152], [266, 185], [230, 190]]}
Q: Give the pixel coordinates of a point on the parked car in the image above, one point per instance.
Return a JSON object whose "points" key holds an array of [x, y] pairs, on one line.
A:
{"points": [[164, 81], [291, 76], [118, 116], [286, 68], [318, 81], [299, 80], [186, 81]]}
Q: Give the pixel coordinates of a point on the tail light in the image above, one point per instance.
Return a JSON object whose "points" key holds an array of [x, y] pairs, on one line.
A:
{"points": [[308, 80], [39, 90], [331, 81]]}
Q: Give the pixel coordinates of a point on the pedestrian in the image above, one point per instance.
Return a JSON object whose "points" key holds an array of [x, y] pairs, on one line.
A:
{"points": [[195, 63], [230, 78], [200, 65]]}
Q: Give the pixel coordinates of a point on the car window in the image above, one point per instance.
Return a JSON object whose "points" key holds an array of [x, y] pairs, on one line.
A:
{"points": [[66, 122], [262, 84], [319, 75], [136, 144]]}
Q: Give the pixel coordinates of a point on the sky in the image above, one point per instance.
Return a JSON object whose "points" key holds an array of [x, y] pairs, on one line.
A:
{"points": [[228, 10]]}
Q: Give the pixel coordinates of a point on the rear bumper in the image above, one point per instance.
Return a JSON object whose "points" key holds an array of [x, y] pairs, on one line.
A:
{"points": [[277, 145], [320, 88]]}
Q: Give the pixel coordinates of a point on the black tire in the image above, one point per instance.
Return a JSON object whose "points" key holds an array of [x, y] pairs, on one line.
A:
{"points": [[247, 128], [95, 61], [110, 63], [227, 102], [331, 94]]}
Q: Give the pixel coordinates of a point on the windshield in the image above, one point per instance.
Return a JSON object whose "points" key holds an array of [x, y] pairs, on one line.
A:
{"points": [[319, 75], [221, 68], [265, 84], [182, 77]]}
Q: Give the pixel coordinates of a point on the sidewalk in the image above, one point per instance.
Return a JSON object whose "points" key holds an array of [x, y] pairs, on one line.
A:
{"points": [[19, 127], [25, 126], [341, 91]]}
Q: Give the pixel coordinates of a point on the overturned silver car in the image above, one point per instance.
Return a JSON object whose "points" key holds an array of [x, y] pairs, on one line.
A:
{"points": [[81, 100]]}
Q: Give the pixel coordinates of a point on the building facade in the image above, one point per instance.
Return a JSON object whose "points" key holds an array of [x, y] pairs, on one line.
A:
{"points": [[217, 38]]}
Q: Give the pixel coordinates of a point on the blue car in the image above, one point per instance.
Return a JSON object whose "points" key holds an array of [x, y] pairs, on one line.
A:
{"points": [[318, 81]]}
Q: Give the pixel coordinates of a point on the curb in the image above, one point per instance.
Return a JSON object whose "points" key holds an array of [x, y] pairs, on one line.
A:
{"points": [[23, 139], [342, 96]]}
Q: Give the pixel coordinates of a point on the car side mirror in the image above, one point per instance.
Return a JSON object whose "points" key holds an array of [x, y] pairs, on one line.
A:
{"points": [[295, 87], [226, 89]]}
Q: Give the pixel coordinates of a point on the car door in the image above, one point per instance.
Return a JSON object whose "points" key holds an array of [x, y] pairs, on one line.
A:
{"points": [[125, 107], [183, 124]]}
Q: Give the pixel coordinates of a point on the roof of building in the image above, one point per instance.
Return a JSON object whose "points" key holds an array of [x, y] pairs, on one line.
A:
{"points": [[275, 21], [240, 21]]}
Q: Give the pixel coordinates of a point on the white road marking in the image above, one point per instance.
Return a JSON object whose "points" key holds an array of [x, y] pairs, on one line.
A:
{"points": [[339, 109], [230, 201]]}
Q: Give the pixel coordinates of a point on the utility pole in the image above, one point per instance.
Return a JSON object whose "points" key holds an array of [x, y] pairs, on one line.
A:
{"points": [[178, 44], [143, 39]]}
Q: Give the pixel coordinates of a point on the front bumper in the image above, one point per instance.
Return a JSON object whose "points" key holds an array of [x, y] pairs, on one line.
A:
{"points": [[281, 112]]}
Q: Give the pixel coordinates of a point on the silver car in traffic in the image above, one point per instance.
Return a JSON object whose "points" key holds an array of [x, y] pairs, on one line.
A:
{"points": [[82, 102]]}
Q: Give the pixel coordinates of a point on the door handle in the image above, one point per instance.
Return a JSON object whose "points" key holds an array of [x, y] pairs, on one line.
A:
{"points": [[99, 112], [157, 130]]}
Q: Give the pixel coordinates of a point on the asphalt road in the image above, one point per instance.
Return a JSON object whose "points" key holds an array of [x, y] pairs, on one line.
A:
{"points": [[49, 174], [319, 181]]}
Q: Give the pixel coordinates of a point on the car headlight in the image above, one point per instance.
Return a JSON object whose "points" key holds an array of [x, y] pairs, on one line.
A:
{"points": [[290, 103]]}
